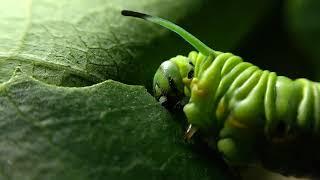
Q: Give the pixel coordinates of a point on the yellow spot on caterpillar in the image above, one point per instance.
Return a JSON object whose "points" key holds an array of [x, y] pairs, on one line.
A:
{"points": [[194, 81], [186, 81], [234, 122], [197, 89], [221, 109], [201, 92]]}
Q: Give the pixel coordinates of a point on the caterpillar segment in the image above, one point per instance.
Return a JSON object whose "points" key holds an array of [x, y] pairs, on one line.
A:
{"points": [[244, 104]]}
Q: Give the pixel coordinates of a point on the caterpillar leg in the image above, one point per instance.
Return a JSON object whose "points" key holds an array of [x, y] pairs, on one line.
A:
{"points": [[190, 132], [237, 145], [229, 149]]}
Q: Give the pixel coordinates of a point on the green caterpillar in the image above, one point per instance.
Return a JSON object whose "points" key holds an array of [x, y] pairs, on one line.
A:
{"points": [[251, 115]]}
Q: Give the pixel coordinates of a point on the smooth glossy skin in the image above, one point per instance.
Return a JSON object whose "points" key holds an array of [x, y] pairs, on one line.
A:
{"points": [[170, 83]]}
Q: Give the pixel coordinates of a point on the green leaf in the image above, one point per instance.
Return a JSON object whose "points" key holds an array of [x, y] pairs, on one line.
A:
{"points": [[105, 131], [74, 43]]}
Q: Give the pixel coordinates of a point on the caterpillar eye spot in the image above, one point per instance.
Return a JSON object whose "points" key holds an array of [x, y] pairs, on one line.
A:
{"points": [[172, 84], [190, 74]]}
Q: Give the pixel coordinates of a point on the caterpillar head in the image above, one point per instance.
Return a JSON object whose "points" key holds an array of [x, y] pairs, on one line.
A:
{"points": [[170, 82]]}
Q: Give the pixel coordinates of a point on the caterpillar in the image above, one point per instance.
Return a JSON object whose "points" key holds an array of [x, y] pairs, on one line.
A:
{"points": [[251, 116]]}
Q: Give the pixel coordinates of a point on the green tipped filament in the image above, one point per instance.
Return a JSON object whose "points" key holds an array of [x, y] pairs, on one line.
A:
{"points": [[195, 42]]}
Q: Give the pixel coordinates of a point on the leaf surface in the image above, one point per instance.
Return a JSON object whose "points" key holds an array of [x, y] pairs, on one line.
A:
{"points": [[74, 44], [106, 131]]}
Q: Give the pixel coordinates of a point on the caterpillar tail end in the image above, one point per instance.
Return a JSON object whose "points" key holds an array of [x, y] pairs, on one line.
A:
{"points": [[190, 132]]}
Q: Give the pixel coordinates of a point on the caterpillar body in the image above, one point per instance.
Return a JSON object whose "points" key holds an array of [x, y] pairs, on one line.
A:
{"points": [[251, 115]]}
